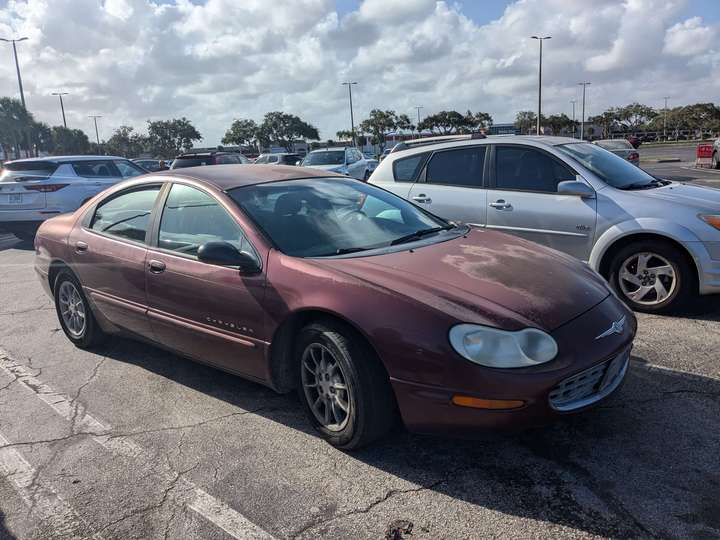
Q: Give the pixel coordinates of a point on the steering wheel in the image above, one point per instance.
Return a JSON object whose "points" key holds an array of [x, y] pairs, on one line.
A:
{"points": [[353, 215]]}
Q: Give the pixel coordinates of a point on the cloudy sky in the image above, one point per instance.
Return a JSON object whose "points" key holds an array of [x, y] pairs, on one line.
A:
{"points": [[216, 60]]}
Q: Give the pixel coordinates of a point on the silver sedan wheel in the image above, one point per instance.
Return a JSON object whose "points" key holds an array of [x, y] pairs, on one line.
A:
{"points": [[647, 278], [325, 387], [72, 309]]}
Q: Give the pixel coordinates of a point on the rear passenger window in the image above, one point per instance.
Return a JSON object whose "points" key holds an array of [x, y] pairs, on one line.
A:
{"points": [[461, 167], [126, 215], [406, 170], [94, 168], [527, 169]]}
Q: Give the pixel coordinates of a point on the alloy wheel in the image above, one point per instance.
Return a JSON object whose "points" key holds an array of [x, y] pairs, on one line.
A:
{"points": [[72, 309], [647, 278], [325, 387]]}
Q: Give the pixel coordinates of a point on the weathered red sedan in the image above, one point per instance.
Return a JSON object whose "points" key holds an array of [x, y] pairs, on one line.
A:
{"points": [[365, 303]]}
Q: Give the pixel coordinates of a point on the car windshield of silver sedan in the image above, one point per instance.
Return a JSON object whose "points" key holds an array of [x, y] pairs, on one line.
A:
{"points": [[330, 217], [333, 157], [611, 169]]}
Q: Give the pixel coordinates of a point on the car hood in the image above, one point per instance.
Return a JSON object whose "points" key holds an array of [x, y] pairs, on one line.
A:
{"points": [[485, 277], [700, 197]]}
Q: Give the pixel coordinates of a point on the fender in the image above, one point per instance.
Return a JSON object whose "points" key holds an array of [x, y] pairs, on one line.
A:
{"points": [[646, 225]]}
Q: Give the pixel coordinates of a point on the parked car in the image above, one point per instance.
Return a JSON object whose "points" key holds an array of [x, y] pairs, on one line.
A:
{"points": [[151, 165], [276, 274], [197, 159], [716, 154], [385, 153], [656, 241], [372, 162], [35, 189], [279, 159], [347, 161], [635, 141], [622, 148]]}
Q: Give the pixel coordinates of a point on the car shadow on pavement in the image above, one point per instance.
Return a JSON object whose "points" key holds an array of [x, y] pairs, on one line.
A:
{"points": [[9, 241], [642, 464]]}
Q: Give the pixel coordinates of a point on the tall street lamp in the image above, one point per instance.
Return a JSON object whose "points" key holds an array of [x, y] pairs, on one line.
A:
{"points": [[665, 119], [17, 66], [573, 118], [62, 108], [539, 113], [97, 135], [582, 124], [349, 84], [417, 108]]}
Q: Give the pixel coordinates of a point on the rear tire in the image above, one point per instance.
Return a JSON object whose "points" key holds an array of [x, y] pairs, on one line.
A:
{"points": [[74, 313], [653, 276], [344, 389]]}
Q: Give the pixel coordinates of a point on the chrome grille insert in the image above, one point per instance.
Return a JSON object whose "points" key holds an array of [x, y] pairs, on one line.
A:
{"points": [[589, 386]]}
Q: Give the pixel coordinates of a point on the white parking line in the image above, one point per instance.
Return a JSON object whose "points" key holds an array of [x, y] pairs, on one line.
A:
{"points": [[209, 507], [47, 505], [702, 170]]}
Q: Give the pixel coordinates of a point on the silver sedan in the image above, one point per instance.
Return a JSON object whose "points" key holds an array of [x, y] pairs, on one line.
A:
{"points": [[622, 148]]}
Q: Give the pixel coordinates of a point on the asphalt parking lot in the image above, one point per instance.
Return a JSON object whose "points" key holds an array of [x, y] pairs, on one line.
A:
{"points": [[132, 442]]}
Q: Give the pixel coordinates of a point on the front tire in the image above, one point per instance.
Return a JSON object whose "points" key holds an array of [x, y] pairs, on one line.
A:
{"points": [[652, 276], [74, 312], [343, 387]]}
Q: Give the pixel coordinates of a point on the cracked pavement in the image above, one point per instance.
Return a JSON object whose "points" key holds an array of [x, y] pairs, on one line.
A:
{"points": [[128, 434]]}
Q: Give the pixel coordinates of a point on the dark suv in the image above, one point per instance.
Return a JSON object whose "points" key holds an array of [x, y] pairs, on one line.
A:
{"points": [[195, 159]]}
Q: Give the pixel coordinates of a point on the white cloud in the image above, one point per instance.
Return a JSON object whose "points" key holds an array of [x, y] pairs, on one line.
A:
{"points": [[689, 38], [134, 60]]}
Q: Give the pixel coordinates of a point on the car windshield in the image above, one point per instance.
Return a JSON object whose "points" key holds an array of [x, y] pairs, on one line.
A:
{"points": [[334, 216], [181, 163], [611, 169], [331, 157]]}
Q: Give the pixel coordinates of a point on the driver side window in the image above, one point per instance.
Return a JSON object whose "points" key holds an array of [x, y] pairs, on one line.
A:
{"points": [[192, 218]]}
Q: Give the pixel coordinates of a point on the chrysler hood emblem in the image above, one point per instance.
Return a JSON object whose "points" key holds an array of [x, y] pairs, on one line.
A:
{"points": [[615, 328]]}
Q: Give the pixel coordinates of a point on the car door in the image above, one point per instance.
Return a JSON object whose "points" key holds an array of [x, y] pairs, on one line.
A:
{"points": [[523, 200], [210, 313], [109, 251], [451, 185]]}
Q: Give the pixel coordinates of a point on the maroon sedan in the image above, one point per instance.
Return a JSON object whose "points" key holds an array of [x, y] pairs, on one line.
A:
{"points": [[367, 304]]}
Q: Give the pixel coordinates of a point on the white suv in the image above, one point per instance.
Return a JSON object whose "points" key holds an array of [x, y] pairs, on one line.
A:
{"points": [[33, 190]]}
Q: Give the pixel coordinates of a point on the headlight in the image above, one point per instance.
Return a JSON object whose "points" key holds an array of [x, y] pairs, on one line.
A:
{"points": [[502, 349], [712, 220]]}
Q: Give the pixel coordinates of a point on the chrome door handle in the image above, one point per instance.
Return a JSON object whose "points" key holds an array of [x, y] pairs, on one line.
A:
{"points": [[156, 267], [500, 204], [422, 198], [81, 247]]}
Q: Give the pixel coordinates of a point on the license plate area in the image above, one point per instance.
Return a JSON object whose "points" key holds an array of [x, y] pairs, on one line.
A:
{"points": [[15, 198]]}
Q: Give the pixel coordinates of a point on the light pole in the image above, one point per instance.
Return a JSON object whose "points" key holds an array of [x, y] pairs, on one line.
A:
{"points": [[17, 66], [573, 123], [62, 108], [539, 113], [352, 120], [665, 120], [417, 108], [582, 123], [97, 135]]}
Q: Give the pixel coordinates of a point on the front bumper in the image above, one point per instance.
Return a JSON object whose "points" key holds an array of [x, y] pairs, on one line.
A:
{"points": [[429, 409], [707, 259]]}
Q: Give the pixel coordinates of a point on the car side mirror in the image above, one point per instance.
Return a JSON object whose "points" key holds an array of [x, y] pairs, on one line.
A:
{"points": [[225, 254], [577, 188]]}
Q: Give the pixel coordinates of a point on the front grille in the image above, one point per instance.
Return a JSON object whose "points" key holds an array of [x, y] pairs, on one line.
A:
{"points": [[590, 385]]}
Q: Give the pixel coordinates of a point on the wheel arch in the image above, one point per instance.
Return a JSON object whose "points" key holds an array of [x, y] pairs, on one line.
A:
{"points": [[605, 259], [56, 266], [281, 368]]}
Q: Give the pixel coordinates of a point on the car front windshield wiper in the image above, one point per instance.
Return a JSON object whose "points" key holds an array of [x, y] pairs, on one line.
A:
{"points": [[655, 182], [419, 234]]}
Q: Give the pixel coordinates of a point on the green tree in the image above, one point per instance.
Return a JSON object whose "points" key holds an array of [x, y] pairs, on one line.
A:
{"points": [[477, 121], [403, 122], [558, 123], [608, 122], [284, 129], [344, 135], [15, 122], [378, 124], [125, 142], [41, 137], [445, 123], [69, 141], [168, 138], [525, 121], [632, 116], [241, 132]]}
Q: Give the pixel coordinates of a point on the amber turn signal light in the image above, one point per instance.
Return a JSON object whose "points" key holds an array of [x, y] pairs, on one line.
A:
{"points": [[494, 404]]}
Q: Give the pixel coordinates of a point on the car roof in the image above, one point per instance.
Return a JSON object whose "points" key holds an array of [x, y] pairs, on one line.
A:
{"points": [[537, 140], [63, 159], [332, 148], [231, 176]]}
